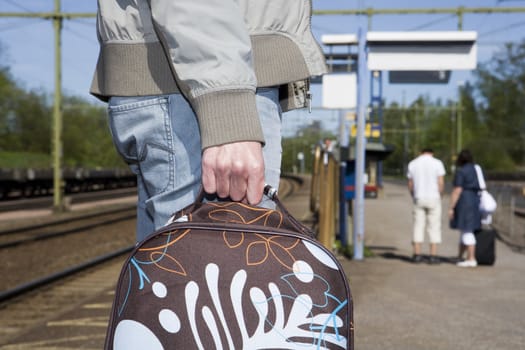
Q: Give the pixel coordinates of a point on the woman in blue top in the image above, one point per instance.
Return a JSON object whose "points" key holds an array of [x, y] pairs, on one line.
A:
{"points": [[464, 211]]}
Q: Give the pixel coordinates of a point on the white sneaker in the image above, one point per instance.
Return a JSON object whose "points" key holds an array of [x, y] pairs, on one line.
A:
{"points": [[467, 263]]}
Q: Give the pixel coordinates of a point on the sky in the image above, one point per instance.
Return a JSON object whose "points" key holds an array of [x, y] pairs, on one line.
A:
{"points": [[27, 45]]}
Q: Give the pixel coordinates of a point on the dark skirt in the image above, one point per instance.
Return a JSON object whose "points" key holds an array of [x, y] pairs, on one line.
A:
{"points": [[467, 216]]}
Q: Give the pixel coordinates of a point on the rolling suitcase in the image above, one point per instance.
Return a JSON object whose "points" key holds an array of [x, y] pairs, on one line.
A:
{"points": [[225, 275], [486, 246]]}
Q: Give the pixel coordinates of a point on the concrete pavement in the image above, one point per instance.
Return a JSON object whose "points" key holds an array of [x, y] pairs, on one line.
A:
{"points": [[401, 305]]}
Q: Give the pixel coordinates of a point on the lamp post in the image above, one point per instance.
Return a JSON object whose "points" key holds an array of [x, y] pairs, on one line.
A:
{"points": [[459, 126]]}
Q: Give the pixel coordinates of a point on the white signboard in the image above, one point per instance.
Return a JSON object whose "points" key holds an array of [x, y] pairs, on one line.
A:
{"points": [[340, 91], [422, 51]]}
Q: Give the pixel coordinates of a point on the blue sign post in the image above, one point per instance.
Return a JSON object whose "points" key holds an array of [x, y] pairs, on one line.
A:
{"points": [[349, 182]]}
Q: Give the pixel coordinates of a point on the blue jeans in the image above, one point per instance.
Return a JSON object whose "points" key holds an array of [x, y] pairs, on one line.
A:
{"points": [[158, 136]]}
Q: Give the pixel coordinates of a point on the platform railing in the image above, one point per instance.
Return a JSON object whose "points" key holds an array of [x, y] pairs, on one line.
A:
{"points": [[509, 218], [324, 198]]}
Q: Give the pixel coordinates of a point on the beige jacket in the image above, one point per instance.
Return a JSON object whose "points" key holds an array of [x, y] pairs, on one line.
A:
{"points": [[216, 53]]}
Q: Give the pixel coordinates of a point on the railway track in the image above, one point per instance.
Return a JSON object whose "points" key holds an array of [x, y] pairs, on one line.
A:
{"points": [[75, 198], [40, 251], [60, 228], [34, 311], [48, 267], [29, 301]]}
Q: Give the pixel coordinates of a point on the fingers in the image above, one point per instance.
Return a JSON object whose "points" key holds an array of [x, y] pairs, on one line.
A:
{"points": [[238, 182], [234, 170], [255, 190], [209, 183]]}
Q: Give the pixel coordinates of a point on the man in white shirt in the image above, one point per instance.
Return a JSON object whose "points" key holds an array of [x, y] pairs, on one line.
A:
{"points": [[426, 184]]}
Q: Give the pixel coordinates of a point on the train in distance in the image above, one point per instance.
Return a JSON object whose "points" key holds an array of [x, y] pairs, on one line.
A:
{"points": [[28, 183]]}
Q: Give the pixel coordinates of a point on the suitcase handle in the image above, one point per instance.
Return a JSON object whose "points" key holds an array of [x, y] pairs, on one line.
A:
{"points": [[269, 191]]}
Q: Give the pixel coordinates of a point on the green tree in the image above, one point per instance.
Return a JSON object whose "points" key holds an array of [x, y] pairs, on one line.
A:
{"points": [[33, 121], [492, 118], [501, 85], [409, 129], [86, 138], [24, 118], [304, 142], [25, 129], [396, 132], [8, 96], [26, 125]]}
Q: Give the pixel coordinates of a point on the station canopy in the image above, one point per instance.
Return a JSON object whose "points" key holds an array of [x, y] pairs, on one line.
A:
{"points": [[423, 57]]}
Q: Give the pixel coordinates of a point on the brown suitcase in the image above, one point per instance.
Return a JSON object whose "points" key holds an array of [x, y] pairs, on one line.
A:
{"points": [[226, 275]]}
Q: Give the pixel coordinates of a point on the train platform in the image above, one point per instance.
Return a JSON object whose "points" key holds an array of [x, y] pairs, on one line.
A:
{"points": [[397, 304], [401, 305]]}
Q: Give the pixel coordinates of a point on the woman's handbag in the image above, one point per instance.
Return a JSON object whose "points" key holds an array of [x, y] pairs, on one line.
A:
{"points": [[487, 203]]}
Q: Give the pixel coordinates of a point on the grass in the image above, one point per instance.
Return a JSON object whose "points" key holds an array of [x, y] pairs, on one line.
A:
{"points": [[13, 160], [348, 251]]}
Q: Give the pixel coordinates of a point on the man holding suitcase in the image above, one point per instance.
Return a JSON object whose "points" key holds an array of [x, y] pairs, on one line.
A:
{"points": [[196, 90]]}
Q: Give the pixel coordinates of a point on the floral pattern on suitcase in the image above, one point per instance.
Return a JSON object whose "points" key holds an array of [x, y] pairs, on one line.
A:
{"points": [[239, 284]]}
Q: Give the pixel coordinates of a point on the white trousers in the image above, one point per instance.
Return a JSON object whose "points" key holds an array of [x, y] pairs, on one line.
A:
{"points": [[427, 218]]}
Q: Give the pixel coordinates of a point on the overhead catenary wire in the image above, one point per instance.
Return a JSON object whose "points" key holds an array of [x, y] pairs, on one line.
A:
{"points": [[91, 39], [90, 22], [431, 23], [502, 29], [20, 24], [12, 3]]}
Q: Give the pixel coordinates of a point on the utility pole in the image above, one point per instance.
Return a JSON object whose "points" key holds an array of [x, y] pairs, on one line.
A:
{"points": [[404, 124], [58, 187], [57, 17]]}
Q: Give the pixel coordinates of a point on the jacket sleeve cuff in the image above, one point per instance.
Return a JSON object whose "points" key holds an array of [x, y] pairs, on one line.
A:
{"points": [[228, 116]]}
